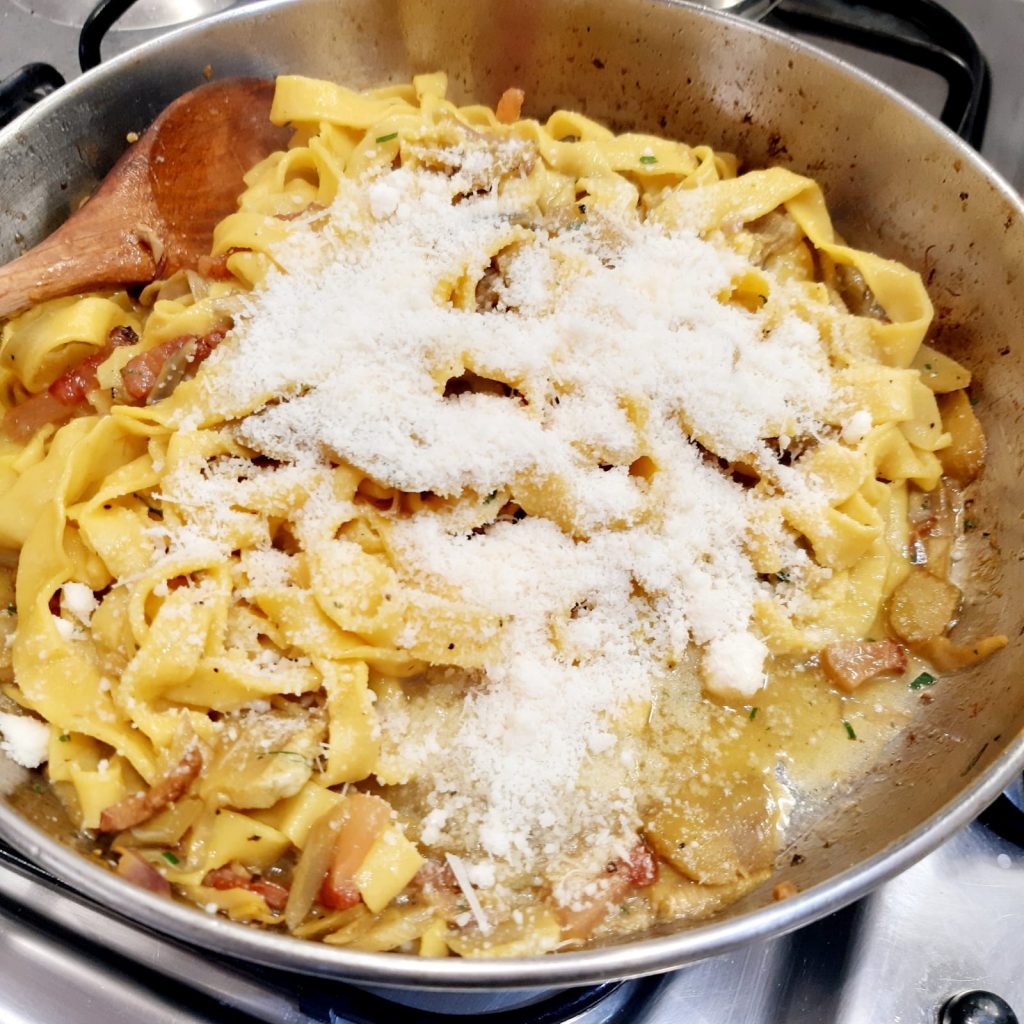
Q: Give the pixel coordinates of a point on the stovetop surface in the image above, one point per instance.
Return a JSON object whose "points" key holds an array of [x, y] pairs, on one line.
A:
{"points": [[953, 922]]}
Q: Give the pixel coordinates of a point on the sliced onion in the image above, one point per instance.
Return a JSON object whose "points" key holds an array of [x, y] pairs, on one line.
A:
{"points": [[134, 868], [312, 867]]}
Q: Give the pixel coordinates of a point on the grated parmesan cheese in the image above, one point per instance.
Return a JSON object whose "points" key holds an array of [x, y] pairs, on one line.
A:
{"points": [[461, 873], [66, 629], [26, 740], [618, 349], [80, 601], [857, 427]]}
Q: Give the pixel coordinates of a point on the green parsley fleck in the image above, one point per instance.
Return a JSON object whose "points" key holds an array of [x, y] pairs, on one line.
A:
{"points": [[169, 857], [387, 138], [648, 159], [927, 366], [64, 738], [972, 400], [924, 679], [782, 575], [36, 787], [490, 497], [12, 609], [753, 714], [849, 730], [969, 524]]}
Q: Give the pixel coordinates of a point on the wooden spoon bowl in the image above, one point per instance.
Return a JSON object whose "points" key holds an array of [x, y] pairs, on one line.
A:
{"points": [[155, 211]]}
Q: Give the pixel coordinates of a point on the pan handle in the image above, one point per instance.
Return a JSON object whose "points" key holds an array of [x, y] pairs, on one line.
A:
{"points": [[26, 86], [920, 32]]}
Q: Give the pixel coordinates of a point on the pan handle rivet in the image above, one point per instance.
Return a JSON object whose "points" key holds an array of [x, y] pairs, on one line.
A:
{"points": [[977, 1007]]}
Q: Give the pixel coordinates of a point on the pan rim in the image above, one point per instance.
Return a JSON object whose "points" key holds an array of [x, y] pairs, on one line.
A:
{"points": [[629, 958]]}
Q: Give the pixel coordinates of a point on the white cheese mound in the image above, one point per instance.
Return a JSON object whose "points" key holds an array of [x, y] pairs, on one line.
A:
{"points": [[66, 629], [606, 591], [79, 600], [26, 740], [857, 427]]}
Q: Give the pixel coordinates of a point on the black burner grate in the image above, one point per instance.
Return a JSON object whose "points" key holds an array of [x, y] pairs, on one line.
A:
{"points": [[101, 20], [1005, 816], [354, 1006]]}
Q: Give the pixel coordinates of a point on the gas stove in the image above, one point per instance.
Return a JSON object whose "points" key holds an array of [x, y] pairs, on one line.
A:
{"points": [[940, 944]]}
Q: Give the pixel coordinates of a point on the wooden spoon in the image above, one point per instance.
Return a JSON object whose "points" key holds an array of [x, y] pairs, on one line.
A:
{"points": [[155, 211]]}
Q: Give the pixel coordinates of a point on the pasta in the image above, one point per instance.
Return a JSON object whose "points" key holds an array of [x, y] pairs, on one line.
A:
{"points": [[485, 547]]}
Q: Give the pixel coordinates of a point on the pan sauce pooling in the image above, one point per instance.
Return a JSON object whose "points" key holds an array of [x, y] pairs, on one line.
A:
{"points": [[490, 585]]}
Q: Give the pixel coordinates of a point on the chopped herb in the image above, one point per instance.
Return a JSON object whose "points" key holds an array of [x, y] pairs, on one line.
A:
{"points": [[782, 575], [924, 679], [973, 400], [969, 524], [36, 787], [387, 138], [582, 208], [648, 159], [292, 754], [927, 366], [849, 730], [974, 760], [12, 609], [753, 714], [490, 497], [169, 857], [64, 738]]}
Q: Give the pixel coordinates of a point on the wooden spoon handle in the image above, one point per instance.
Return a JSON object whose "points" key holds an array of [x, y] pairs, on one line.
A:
{"points": [[156, 210], [99, 246], [84, 249]]}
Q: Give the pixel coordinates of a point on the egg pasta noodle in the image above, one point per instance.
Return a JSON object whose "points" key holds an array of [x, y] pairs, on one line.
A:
{"points": [[417, 575]]}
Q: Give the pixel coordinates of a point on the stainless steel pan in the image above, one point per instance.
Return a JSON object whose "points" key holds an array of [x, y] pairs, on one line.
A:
{"points": [[897, 182]]}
